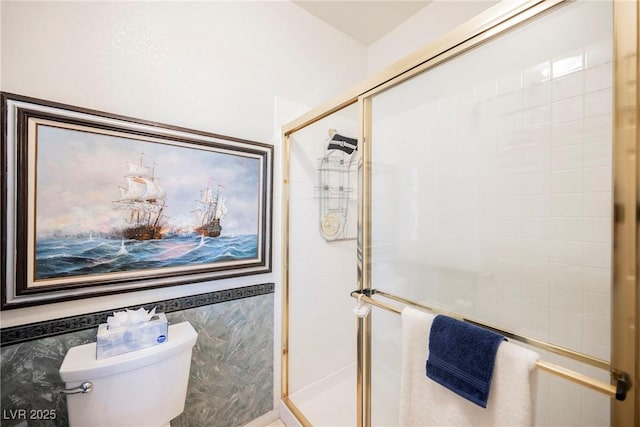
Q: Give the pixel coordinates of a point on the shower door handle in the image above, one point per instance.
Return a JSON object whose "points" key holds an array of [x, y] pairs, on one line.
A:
{"points": [[85, 387]]}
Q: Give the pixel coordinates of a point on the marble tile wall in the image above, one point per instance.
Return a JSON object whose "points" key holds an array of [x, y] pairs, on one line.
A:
{"points": [[231, 380]]}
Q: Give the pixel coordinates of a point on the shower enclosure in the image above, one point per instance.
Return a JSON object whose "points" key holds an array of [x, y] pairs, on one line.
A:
{"points": [[498, 181]]}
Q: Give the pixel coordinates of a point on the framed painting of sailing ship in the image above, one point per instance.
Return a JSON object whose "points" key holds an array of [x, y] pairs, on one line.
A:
{"points": [[96, 203]]}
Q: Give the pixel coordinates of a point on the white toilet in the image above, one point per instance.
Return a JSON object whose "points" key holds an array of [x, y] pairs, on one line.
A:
{"points": [[146, 387]]}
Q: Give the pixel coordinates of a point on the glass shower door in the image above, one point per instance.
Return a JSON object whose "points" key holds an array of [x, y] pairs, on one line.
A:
{"points": [[491, 178], [320, 343]]}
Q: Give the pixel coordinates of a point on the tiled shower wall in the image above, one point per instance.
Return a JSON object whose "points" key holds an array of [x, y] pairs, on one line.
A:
{"points": [[492, 191], [231, 379]]}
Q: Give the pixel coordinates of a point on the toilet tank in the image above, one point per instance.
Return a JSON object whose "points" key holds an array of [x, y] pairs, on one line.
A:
{"points": [[147, 387]]}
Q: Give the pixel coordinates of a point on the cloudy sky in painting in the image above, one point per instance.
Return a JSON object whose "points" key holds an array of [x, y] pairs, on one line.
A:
{"points": [[78, 175]]}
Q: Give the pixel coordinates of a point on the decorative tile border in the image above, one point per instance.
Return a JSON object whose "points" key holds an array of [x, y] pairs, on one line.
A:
{"points": [[49, 328]]}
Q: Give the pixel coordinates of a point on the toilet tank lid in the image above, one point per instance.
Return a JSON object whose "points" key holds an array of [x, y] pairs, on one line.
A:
{"points": [[80, 363]]}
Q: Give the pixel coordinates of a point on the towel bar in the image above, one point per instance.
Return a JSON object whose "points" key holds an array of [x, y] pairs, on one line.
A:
{"points": [[617, 390]]}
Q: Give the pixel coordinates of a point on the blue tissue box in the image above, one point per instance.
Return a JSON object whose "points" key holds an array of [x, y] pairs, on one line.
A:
{"points": [[112, 341]]}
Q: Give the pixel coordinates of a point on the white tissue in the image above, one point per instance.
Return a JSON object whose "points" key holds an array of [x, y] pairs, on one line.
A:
{"points": [[130, 317]]}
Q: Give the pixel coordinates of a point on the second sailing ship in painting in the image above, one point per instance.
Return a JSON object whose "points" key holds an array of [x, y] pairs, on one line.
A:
{"points": [[211, 211]]}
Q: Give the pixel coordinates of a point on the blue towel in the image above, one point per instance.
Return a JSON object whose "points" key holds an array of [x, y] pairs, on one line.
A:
{"points": [[461, 357]]}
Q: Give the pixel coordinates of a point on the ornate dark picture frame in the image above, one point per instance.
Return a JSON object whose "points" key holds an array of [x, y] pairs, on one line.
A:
{"points": [[94, 203]]}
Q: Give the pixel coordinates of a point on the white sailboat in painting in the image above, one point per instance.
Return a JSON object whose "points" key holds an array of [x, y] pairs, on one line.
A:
{"points": [[211, 211], [142, 202]]}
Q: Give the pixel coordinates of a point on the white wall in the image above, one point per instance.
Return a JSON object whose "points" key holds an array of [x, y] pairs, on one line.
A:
{"points": [[434, 20], [210, 66]]}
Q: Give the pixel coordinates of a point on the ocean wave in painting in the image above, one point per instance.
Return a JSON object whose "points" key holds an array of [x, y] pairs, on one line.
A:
{"points": [[65, 257]]}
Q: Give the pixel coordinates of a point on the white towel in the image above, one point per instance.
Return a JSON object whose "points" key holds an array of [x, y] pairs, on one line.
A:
{"points": [[426, 403]]}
